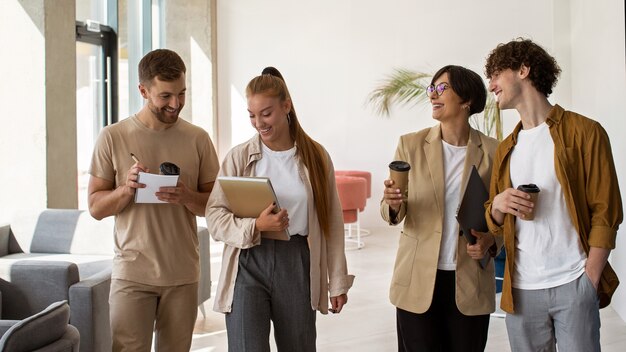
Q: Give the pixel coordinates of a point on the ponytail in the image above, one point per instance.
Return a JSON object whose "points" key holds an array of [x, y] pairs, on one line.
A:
{"points": [[312, 154]]}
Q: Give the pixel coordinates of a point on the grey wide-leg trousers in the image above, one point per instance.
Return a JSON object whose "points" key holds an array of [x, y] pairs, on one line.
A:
{"points": [[273, 284]]}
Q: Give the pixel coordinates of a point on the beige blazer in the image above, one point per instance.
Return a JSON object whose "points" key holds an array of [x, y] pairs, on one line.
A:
{"points": [[415, 268]]}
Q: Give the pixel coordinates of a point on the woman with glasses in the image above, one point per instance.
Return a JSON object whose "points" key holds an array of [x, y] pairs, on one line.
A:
{"points": [[443, 296]]}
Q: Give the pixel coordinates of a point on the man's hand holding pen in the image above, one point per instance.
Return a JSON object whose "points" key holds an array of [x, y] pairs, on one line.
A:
{"points": [[181, 194], [133, 175]]}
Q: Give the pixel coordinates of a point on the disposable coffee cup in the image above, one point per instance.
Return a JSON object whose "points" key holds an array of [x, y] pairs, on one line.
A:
{"points": [[399, 173], [533, 191]]}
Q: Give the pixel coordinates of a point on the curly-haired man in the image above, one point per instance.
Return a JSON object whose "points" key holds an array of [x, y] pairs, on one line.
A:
{"points": [[557, 276]]}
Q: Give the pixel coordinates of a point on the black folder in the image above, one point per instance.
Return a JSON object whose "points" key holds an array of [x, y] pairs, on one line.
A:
{"points": [[471, 211]]}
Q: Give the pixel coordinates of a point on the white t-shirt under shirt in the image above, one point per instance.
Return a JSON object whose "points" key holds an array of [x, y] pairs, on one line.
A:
{"points": [[282, 170], [547, 249], [453, 163]]}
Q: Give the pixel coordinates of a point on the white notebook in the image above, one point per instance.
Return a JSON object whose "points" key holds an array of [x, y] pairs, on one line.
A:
{"points": [[153, 182]]}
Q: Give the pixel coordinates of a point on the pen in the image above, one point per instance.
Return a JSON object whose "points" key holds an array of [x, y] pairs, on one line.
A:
{"points": [[134, 158]]}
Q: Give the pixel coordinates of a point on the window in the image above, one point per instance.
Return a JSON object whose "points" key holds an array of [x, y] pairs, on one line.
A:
{"points": [[96, 93]]}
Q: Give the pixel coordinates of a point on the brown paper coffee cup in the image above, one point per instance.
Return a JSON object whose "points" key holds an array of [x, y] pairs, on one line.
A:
{"points": [[399, 173], [533, 191]]}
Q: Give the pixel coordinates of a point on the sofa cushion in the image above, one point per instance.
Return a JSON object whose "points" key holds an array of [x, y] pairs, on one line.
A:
{"points": [[54, 231], [69, 231], [5, 234], [37, 330], [88, 265]]}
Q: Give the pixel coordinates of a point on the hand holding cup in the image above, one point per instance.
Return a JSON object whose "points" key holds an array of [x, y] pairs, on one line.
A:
{"points": [[533, 191], [399, 173]]}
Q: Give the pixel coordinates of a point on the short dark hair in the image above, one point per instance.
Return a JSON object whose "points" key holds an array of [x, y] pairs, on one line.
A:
{"points": [[467, 84], [162, 63], [544, 71]]}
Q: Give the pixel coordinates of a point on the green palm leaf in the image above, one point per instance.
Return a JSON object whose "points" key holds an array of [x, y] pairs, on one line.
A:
{"points": [[401, 87], [406, 86]]}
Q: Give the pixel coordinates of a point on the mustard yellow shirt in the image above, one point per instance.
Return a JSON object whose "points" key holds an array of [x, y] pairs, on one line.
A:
{"points": [[585, 169]]}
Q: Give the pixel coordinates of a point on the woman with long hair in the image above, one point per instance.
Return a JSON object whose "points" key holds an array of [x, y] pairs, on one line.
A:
{"points": [[265, 279]]}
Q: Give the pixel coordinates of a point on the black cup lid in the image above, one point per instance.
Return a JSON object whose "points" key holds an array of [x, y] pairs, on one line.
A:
{"points": [[529, 188], [168, 168], [399, 165]]}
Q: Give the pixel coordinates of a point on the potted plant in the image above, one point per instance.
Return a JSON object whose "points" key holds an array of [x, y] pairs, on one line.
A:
{"points": [[406, 86]]}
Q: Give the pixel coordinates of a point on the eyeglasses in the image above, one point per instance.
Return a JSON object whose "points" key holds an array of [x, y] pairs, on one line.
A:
{"points": [[439, 89]]}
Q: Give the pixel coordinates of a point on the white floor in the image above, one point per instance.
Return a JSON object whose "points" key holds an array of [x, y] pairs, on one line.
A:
{"points": [[367, 323]]}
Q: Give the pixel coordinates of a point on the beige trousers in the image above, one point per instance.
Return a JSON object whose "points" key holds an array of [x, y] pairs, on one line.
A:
{"points": [[136, 310]]}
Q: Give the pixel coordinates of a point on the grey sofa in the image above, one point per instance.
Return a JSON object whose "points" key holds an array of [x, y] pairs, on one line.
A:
{"points": [[64, 254], [46, 331], [54, 255]]}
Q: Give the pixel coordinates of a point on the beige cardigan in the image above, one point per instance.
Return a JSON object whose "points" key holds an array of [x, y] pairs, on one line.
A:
{"points": [[329, 273], [413, 280]]}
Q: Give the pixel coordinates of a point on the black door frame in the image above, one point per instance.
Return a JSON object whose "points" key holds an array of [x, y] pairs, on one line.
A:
{"points": [[105, 38]]}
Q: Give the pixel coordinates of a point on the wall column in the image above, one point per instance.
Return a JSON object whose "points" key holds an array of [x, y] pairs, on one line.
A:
{"points": [[188, 28]]}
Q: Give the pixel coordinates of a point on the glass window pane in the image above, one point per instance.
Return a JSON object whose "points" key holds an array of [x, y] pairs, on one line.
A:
{"points": [[94, 10], [89, 110], [123, 71]]}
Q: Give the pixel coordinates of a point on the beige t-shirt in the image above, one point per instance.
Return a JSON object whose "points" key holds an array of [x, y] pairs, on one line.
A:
{"points": [[155, 244]]}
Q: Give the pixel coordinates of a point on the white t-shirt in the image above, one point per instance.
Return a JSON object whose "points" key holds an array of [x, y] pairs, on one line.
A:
{"points": [[282, 170], [547, 249], [453, 162]]}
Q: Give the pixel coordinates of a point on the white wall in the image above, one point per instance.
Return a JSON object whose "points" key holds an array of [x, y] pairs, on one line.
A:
{"points": [[22, 147], [599, 91], [38, 134], [333, 53]]}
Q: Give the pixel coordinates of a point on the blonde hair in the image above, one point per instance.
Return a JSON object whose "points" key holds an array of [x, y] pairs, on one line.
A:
{"points": [[271, 83]]}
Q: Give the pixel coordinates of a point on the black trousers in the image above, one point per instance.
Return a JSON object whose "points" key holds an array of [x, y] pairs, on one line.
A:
{"points": [[442, 328]]}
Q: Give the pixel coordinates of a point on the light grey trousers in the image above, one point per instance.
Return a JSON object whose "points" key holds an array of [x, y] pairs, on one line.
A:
{"points": [[273, 284], [566, 315]]}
